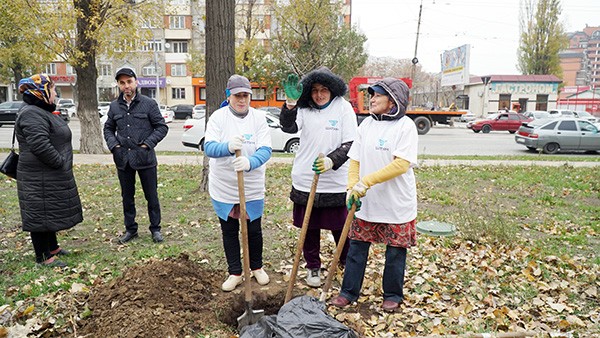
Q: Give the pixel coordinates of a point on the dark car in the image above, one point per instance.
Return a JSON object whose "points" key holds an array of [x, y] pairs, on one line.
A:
{"points": [[8, 112], [183, 111], [502, 121]]}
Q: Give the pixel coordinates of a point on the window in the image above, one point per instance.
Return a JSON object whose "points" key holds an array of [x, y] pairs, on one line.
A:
{"points": [[258, 94], [504, 101], [541, 102], [180, 47], [567, 125], [149, 70], [550, 126], [70, 70], [203, 93], [105, 70], [51, 69], [178, 93], [280, 94], [153, 45], [586, 126], [177, 22], [178, 69]]}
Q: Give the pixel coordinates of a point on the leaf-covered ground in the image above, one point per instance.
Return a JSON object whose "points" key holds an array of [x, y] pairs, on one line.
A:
{"points": [[524, 257]]}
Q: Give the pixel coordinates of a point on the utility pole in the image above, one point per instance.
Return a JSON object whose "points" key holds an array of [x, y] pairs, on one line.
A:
{"points": [[415, 60]]}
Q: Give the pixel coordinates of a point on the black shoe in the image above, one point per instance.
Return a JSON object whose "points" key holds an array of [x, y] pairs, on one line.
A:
{"points": [[128, 236], [54, 264], [157, 237]]}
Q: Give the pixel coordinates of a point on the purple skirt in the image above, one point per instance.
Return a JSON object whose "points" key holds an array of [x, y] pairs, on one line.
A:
{"points": [[321, 218]]}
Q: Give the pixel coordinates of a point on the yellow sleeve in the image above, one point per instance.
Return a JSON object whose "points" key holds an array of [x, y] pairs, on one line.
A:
{"points": [[398, 167], [353, 173]]}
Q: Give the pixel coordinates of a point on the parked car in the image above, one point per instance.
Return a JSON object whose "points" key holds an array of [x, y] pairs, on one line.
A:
{"points": [[8, 112], [275, 111], [499, 122], [467, 116], [537, 114], [103, 107], [561, 113], [167, 113], [193, 135], [586, 116], [183, 111], [67, 104], [199, 111], [558, 135]]}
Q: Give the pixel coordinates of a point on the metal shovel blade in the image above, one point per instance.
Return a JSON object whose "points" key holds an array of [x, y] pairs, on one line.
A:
{"points": [[249, 317]]}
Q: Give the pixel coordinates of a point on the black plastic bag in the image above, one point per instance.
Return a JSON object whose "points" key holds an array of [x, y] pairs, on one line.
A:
{"points": [[301, 317]]}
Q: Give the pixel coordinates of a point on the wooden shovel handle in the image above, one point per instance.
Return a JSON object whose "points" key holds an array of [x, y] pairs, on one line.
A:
{"points": [[338, 252], [244, 226]]}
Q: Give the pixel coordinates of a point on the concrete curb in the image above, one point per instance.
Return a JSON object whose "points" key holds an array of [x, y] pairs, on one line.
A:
{"points": [[196, 159]]}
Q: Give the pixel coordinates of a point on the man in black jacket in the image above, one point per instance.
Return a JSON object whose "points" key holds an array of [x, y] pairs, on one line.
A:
{"points": [[133, 129]]}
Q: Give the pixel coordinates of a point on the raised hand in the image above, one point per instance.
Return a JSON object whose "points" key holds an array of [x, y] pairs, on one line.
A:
{"points": [[293, 88]]}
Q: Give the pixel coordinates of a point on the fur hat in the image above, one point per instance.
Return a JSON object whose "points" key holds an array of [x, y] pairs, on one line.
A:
{"points": [[322, 76]]}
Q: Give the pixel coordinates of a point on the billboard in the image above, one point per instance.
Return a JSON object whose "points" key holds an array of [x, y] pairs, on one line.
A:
{"points": [[455, 66]]}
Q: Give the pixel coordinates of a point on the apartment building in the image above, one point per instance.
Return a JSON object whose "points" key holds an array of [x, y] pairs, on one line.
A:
{"points": [[580, 62]]}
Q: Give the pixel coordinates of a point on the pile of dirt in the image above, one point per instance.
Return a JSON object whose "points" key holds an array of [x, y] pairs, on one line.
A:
{"points": [[172, 298]]}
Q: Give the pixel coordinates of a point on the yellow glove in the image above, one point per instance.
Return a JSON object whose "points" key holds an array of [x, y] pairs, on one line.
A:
{"points": [[322, 164]]}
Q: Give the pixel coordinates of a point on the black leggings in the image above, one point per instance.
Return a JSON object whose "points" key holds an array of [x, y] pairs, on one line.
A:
{"points": [[43, 243], [230, 230]]}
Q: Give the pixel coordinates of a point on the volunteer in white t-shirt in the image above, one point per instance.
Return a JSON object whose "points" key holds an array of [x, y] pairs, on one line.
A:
{"points": [[381, 182], [328, 125], [237, 126]]}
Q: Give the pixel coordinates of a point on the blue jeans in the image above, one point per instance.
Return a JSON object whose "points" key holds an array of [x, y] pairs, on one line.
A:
{"points": [[393, 272]]}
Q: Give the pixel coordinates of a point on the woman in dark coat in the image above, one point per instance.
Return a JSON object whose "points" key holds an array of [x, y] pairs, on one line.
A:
{"points": [[48, 196]]}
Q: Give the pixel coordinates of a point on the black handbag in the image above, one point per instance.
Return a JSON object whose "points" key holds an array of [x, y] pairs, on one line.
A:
{"points": [[9, 165]]}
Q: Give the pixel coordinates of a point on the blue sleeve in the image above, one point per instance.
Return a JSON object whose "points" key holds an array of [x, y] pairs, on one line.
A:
{"points": [[260, 157], [217, 149]]}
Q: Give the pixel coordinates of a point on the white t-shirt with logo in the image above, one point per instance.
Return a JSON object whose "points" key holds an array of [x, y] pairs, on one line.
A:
{"points": [[377, 145], [323, 131], [222, 178]]}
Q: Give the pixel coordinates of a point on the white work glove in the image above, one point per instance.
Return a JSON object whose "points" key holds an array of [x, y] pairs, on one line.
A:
{"points": [[322, 164], [235, 143], [290, 104], [359, 190], [241, 163]]}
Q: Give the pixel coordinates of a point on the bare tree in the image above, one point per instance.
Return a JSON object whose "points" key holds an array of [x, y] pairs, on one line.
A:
{"points": [[220, 58]]}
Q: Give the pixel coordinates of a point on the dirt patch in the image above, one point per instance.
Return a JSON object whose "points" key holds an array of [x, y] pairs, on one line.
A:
{"points": [[173, 298]]}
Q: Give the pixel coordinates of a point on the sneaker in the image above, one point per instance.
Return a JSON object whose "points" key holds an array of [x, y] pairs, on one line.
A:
{"points": [[313, 278], [231, 282], [261, 276]]}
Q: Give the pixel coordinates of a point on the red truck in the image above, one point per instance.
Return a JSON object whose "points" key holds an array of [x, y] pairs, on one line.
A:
{"points": [[424, 119]]}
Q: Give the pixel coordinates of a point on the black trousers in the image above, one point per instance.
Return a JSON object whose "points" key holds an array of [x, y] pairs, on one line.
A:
{"points": [[230, 229], [43, 243], [148, 178]]}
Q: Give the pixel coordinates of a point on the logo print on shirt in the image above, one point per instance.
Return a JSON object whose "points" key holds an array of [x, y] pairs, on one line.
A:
{"points": [[382, 146], [247, 137], [332, 125]]}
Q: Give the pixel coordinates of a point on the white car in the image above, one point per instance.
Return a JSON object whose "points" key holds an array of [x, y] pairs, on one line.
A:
{"points": [[67, 104], [103, 107], [586, 116], [167, 113], [199, 111], [193, 135]]}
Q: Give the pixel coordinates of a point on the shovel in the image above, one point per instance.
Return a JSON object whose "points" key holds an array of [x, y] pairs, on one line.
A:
{"points": [[338, 253], [307, 212], [249, 316]]}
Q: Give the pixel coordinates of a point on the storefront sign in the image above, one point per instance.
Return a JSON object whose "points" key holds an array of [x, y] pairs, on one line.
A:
{"points": [[524, 88], [63, 79], [150, 82]]}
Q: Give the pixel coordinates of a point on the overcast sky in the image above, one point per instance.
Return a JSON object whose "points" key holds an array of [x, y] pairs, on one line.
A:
{"points": [[491, 27]]}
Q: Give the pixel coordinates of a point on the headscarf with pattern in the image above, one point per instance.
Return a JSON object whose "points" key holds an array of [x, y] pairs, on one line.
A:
{"points": [[37, 85]]}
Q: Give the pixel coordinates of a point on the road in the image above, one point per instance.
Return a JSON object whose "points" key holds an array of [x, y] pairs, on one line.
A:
{"points": [[441, 140]]}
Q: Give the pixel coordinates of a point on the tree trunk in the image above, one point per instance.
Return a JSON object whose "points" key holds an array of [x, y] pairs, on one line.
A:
{"points": [[220, 59], [87, 75]]}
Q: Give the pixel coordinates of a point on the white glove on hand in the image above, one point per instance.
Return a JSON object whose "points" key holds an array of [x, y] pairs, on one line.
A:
{"points": [[235, 143], [322, 164], [290, 103], [241, 163], [359, 190]]}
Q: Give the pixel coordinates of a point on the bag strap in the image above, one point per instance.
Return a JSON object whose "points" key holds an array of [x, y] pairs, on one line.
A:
{"points": [[12, 147]]}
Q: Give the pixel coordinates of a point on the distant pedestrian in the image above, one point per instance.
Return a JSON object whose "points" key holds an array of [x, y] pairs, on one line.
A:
{"points": [[237, 126], [133, 129], [328, 125], [382, 183], [48, 196]]}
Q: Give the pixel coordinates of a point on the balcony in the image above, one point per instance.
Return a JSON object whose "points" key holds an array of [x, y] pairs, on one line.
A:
{"points": [[178, 34]]}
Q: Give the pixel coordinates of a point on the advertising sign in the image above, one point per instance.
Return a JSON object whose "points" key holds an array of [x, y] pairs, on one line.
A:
{"points": [[455, 66], [150, 82]]}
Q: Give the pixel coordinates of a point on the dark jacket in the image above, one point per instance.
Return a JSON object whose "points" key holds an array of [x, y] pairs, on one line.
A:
{"points": [[141, 123], [47, 190]]}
